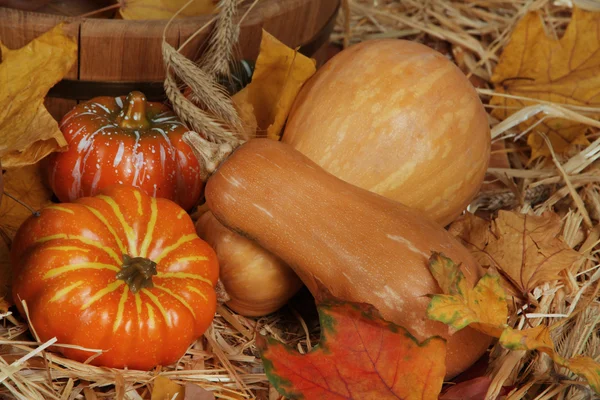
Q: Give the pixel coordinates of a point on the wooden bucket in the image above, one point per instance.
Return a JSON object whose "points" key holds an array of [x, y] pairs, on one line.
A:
{"points": [[117, 56]]}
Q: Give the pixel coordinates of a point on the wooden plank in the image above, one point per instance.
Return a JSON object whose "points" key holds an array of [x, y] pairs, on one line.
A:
{"points": [[75, 8], [118, 50], [114, 50], [20, 27]]}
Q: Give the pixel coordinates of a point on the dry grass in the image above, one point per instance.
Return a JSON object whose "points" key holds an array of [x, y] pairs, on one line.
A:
{"points": [[225, 361]]}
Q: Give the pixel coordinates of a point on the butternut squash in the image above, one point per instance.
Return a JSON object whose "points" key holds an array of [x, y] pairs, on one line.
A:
{"points": [[257, 281], [360, 245], [397, 118]]}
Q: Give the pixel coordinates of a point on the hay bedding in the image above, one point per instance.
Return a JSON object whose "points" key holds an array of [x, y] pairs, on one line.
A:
{"points": [[225, 361]]}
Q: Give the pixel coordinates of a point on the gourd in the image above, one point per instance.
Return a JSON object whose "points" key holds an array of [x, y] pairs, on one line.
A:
{"points": [[399, 119], [362, 246], [121, 272], [257, 281], [128, 141]]}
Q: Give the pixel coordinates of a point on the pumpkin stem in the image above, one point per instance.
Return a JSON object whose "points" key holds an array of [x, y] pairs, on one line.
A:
{"points": [[137, 272], [133, 115]]}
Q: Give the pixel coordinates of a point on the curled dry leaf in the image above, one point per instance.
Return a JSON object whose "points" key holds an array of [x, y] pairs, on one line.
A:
{"points": [[164, 9], [27, 131], [565, 71], [527, 249], [360, 356], [25, 184], [485, 309], [278, 76]]}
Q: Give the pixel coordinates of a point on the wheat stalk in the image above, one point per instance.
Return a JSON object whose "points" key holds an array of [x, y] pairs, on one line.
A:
{"points": [[199, 120], [205, 89], [225, 35]]}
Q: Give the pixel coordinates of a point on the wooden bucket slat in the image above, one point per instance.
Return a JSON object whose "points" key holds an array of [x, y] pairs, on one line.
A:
{"points": [[117, 56], [136, 45]]}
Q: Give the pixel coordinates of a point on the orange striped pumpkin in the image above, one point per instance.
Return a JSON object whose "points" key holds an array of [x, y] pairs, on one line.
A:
{"points": [[121, 272], [126, 141]]}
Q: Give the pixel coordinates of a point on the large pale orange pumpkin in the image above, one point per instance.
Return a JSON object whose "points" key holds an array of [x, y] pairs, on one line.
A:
{"points": [[399, 119]]}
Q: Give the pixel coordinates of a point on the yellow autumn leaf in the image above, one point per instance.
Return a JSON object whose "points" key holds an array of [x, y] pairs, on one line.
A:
{"points": [[245, 110], [278, 77], [164, 9], [528, 249], [26, 185], [484, 306], [564, 71], [587, 368], [538, 338], [166, 389], [27, 131]]}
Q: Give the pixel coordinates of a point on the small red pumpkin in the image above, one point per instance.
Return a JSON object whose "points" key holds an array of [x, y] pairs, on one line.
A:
{"points": [[122, 272], [127, 141]]}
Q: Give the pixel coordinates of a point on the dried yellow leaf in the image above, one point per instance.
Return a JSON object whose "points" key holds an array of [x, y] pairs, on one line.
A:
{"points": [[245, 110], [538, 338], [484, 308], [565, 71], [528, 249], [587, 368], [164, 9], [25, 184], [166, 389], [27, 131], [278, 77]]}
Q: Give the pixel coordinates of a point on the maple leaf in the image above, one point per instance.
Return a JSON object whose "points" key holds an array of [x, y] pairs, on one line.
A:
{"points": [[25, 184], [538, 338], [359, 356], [486, 311], [484, 306], [526, 249], [565, 71], [278, 76], [27, 131], [161, 9]]}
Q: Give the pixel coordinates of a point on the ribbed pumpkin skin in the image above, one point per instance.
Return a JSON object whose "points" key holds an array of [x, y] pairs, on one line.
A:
{"points": [[65, 263], [399, 119], [102, 153], [362, 246]]}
